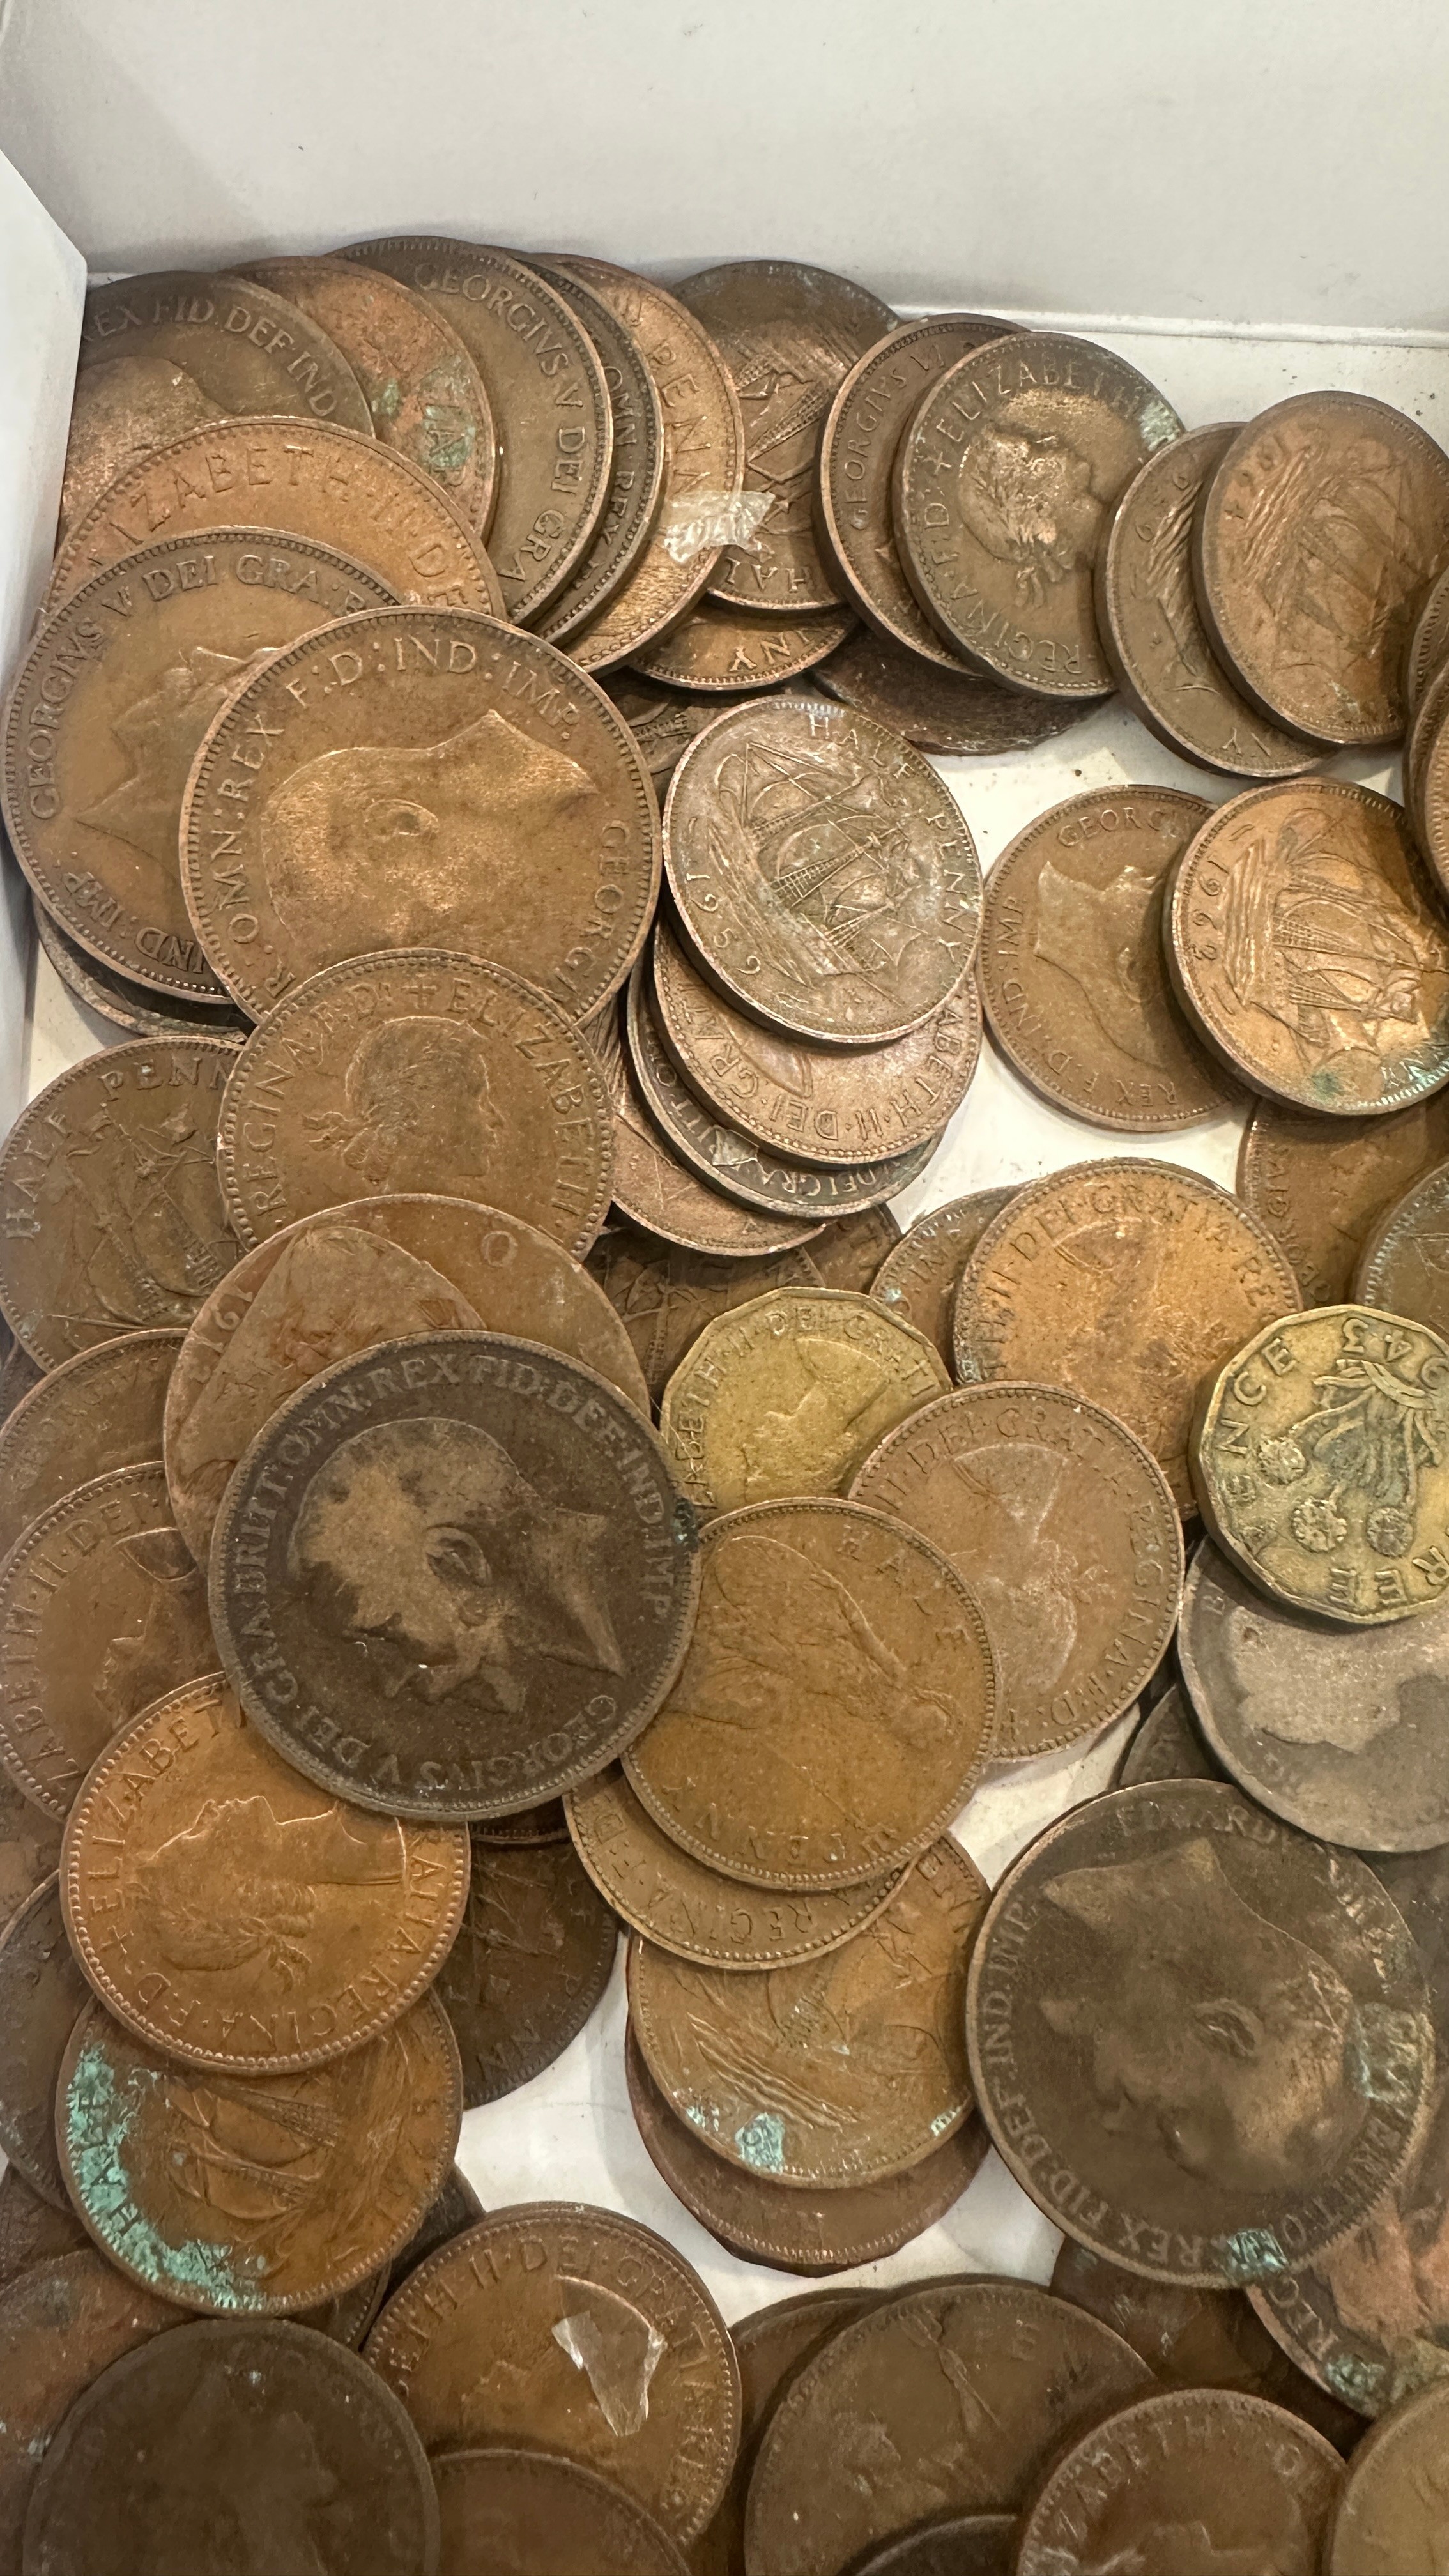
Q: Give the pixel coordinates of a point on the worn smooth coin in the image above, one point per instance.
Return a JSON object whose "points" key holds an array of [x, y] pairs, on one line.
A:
{"points": [[1404, 1261], [741, 650], [664, 1296], [29, 1852], [956, 710], [532, 1957], [918, 1280], [42, 1992], [101, 1410], [1168, 1745], [771, 2343], [1322, 1186], [31, 2232], [1390, 2516], [539, 2516], [60, 2325], [124, 1005]]}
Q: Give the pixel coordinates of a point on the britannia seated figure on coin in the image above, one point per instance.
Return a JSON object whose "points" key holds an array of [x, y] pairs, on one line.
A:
{"points": [[159, 734], [417, 1084]]}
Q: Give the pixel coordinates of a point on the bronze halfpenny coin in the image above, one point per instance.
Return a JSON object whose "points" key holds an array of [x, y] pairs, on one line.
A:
{"points": [[664, 721], [824, 876], [636, 476], [918, 1280], [1065, 1530], [457, 2207], [453, 1576], [31, 2232], [29, 1852], [1404, 1263], [740, 651], [421, 1069], [771, 2344], [1073, 978], [1428, 646], [532, 1957], [124, 1005], [101, 1410], [1199, 2039], [850, 1251], [614, 2354], [1321, 1185], [1390, 2516], [835, 1707], [1314, 540], [1168, 1745], [42, 1992], [664, 1296], [540, 2516], [60, 2325], [957, 710]]}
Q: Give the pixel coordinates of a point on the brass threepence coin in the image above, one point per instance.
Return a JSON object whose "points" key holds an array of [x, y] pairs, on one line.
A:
{"points": [[1322, 1463], [636, 475], [959, 2393], [133, 1007], [1428, 646], [29, 1852], [1004, 485], [453, 1576], [824, 875], [1321, 1186], [1314, 540], [31, 2232], [343, 1281], [1073, 978], [829, 2073], [1065, 1531], [789, 1394], [1126, 1282], [1184, 2479], [788, 334], [424, 394], [1151, 627], [691, 1910], [101, 1611], [533, 1954], [111, 1219], [848, 1252], [1404, 1262], [1390, 2516], [1168, 1745], [421, 781], [1340, 1735], [918, 1280], [965, 2544], [612, 2353], [549, 400], [101, 1410], [1199, 2039], [256, 2194], [835, 1707], [42, 1992], [232, 2440], [664, 1296], [59, 2327], [770, 2343], [541, 2516], [225, 1912], [303, 480], [418, 1070], [738, 650], [958, 710], [167, 353]]}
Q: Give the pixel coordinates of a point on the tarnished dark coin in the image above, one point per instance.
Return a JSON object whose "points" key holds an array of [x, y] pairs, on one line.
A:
{"points": [[969, 2544], [614, 2354], [421, 1070], [1004, 484], [957, 710], [824, 875], [1073, 977], [256, 2195], [457, 2207], [29, 1852], [549, 400], [1428, 646], [664, 721], [347, 2319], [636, 473], [1064, 1529], [664, 1296], [31, 2231], [1199, 2039], [101, 1611], [1127, 1282], [424, 394], [1390, 2515], [1188, 2479], [850, 1251], [739, 650], [1404, 1261], [166, 353], [771, 2344], [835, 1707], [533, 1955], [60, 2325], [421, 780], [242, 2443], [126, 1005], [101, 1410], [1151, 628], [532, 2515], [918, 1280], [231, 1917], [1321, 1186], [958, 2395], [343, 1281], [525, 1831], [453, 1576], [42, 1992], [111, 1219], [1167, 1746], [1314, 539]]}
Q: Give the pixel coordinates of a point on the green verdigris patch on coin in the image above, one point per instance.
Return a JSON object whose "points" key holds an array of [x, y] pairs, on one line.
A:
{"points": [[100, 2114]]}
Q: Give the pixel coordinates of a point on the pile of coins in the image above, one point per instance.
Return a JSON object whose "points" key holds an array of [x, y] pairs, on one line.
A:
{"points": [[483, 1466]]}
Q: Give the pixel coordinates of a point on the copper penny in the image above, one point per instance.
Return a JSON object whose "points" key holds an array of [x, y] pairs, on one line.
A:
{"points": [[59, 2327], [563, 2326], [170, 352], [824, 876], [1403, 1261], [423, 393], [453, 1576], [230, 1916], [1183, 2479], [1198, 2038], [1151, 629], [124, 1005], [549, 399], [956, 710], [963, 2544], [849, 1252], [1003, 486], [1428, 646], [538, 2516], [103, 1409], [31, 2232], [771, 2344], [824, 2075], [1168, 1745], [636, 478], [256, 2194], [740, 651], [418, 1070], [245, 2441], [29, 1852], [1073, 978], [101, 1611], [918, 1279], [689, 1909], [789, 1395], [957, 2394], [835, 1706], [343, 1281], [1322, 1186], [1127, 1282], [664, 1296], [41, 1993], [421, 780], [533, 1955], [1390, 2515], [1065, 1531], [1314, 538], [664, 721], [457, 2207]]}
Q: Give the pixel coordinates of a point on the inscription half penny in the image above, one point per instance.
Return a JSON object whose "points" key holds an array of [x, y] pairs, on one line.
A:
{"points": [[42, 1992], [1320, 1185], [917, 1281], [533, 1954], [101, 1410]]}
